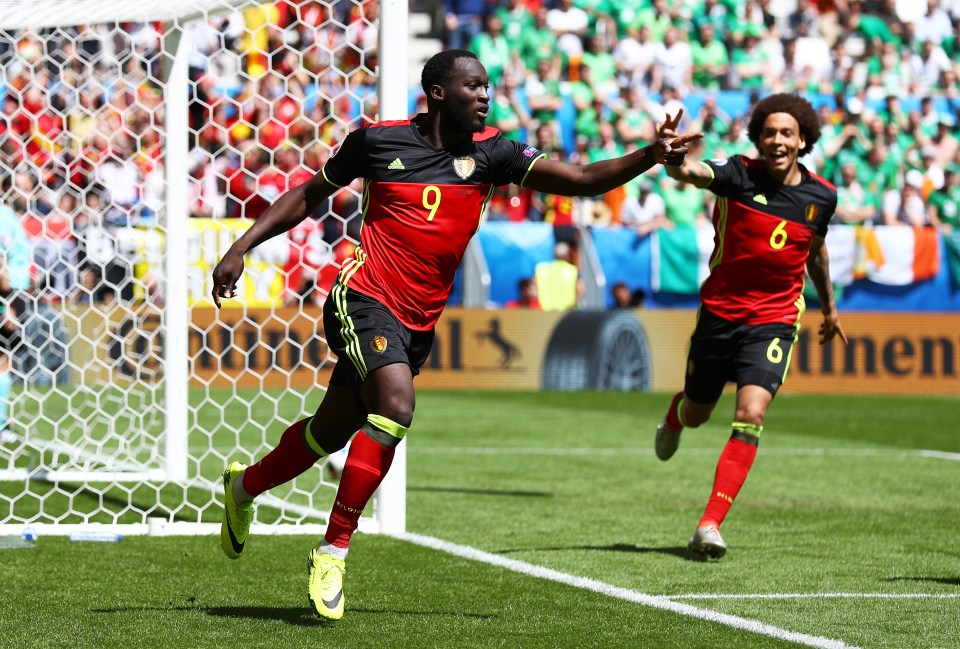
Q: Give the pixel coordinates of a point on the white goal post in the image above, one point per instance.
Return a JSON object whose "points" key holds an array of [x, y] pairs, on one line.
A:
{"points": [[131, 390]]}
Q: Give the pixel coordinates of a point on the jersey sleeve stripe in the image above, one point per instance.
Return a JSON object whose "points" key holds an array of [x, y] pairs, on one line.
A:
{"points": [[483, 207], [532, 162], [723, 209], [327, 178], [709, 170]]}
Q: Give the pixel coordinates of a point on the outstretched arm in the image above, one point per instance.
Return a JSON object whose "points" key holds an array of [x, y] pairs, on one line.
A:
{"points": [[818, 266], [290, 208], [564, 179]]}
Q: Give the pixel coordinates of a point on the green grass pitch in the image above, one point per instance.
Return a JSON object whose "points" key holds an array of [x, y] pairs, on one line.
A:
{"points": [[845, 534]]}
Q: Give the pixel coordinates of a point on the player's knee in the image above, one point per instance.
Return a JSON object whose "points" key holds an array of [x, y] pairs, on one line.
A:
{"points": [[751, 414], [397, 409]]}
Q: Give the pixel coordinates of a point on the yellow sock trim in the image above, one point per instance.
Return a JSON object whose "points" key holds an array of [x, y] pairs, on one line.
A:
{"points": [[747, 428], [388, 426]]}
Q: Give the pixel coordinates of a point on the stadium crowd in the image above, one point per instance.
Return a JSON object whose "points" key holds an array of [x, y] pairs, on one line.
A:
{"points": [[275, 87]]}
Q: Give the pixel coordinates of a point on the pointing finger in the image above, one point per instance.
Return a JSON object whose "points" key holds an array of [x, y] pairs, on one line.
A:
{"points": [[681, 141]]}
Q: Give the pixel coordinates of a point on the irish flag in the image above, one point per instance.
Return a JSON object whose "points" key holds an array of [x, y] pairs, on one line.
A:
{"points": [[897, 255], [680, 258]]}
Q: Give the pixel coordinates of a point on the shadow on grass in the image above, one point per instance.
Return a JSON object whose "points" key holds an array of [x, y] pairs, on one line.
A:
{"points": [[296, 616], [674, 551], [384, 611], [949, 581], [483, 492]]}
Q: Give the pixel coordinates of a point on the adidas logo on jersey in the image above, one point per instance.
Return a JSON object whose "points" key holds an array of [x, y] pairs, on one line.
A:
{"points": [[396, 164], [760, 198]]}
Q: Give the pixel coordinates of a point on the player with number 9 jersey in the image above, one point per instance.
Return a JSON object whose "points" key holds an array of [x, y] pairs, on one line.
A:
{"points": [[421, 206]]}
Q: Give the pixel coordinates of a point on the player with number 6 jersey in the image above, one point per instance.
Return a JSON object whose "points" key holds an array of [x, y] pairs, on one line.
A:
{"points": [[763, 232], [770, 219], [426, 181]]}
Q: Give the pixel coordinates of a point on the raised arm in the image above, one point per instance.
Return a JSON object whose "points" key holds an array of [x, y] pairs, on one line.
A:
{"points": [[818, 266], [564, 179], [689, 170], [287, 211]]}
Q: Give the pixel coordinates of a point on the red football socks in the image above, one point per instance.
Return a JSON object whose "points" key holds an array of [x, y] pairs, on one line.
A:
{"points": [[673, 413], [732, 469], [290, 458], [367, 464]]}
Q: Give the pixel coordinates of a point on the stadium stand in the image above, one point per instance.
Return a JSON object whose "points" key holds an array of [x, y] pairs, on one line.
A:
{"points": [[584, 80]]}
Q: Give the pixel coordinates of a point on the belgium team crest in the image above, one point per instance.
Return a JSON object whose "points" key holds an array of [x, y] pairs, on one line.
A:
{"points": [[811, 212], [464, 166], [378, 344]]}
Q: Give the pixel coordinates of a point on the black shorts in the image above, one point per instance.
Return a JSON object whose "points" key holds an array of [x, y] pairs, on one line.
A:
{"points": [[722, 351], [365, 336]]}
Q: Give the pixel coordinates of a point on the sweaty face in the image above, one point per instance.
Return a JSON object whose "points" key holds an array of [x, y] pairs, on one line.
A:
{"points": [[780, 144], [465, 97]]}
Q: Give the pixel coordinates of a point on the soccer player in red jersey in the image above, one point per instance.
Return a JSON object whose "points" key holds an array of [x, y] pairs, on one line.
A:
{"points": [[427, 180], [770, 217]]}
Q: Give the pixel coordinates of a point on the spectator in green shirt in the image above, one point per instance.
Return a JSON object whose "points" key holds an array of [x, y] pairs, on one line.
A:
{"points": [[656, 18], [855, 206], [589, 105], [944, 204], [507, 111], [733, 142], [491, 48], [600, 15], [539, 43], [751, 64], [685, 203], [543, 91], [711, 63], [635, 124], [603, 67], [517, 21], [879, 172], [883, 26]]}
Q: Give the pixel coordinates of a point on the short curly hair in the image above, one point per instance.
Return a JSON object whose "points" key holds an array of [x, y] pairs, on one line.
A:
{"points": [[437, 70], [794, 105]]}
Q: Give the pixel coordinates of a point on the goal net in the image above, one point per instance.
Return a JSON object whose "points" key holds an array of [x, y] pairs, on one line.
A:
{"points": [[137, 142]]}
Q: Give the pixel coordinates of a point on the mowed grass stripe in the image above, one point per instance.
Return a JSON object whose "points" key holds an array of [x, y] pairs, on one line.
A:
{"points": [[653, 601], [782, 452]]}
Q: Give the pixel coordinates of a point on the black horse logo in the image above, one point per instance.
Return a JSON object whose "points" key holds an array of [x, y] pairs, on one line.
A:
{"points": [[508, 351]]}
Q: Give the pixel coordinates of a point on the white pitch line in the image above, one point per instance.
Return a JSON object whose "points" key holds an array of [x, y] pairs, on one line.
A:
{"points": [[941, 455], [818, 596], [653, 601]]}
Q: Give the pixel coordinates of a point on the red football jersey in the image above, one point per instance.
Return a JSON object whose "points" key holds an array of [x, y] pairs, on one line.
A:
{"points": [[421, 205], [762, 236]]}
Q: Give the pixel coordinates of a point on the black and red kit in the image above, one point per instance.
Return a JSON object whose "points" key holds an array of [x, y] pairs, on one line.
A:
{"points": [[421, 205], [762, 238]]}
